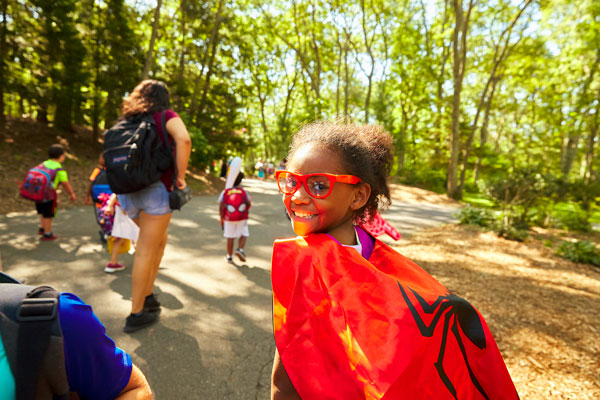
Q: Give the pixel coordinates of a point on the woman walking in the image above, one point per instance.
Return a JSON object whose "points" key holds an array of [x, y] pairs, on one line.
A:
{"points": [[149, 207]]}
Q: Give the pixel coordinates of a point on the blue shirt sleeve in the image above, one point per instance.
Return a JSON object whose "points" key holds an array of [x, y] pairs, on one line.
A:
{"points": [[96, 368]]}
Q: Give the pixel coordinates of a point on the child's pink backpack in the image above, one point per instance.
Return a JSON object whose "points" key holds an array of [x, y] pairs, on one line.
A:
{"points": [[38, 185]]}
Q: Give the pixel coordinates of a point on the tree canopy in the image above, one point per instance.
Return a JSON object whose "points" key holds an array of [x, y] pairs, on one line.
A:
{"points": [[470, 89]]}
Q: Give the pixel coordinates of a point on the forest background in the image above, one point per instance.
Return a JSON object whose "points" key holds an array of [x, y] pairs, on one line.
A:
{"points": [[492, 101]]}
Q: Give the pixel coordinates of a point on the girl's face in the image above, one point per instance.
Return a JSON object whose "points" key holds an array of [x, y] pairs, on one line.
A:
{"points": [[332, 214]]}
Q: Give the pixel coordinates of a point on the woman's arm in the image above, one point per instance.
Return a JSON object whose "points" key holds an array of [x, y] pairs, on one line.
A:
{"points": [[281, 385], [183, 145]]}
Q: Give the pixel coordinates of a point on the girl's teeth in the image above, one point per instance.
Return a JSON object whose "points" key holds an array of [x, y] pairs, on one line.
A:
{"points": [[303, 215]]}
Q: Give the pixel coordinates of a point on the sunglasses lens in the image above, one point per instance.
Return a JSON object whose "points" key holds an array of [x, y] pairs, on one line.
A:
{"points": [[318, 185], [287, 183]]}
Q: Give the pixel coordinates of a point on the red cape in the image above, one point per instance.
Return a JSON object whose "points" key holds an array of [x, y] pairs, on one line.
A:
{"points": [[350, 328]]}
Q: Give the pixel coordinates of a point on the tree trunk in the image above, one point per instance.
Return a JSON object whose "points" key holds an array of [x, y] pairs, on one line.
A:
{"points": [[3, 29], [339, 77], [368, 43], [347, 85], [459, 50], [96, 94], [571, 140], [283, 124], [589, 154], [150, 52], [570, 145], [212, 51], [506, 49], [179, 99], [484, 132], [440, 91]]}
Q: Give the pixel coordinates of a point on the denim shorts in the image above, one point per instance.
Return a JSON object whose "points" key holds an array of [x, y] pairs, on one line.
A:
{"points": [[153, 199]]}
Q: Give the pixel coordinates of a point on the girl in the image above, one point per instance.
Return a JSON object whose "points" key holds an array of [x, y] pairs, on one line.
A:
{"points": [[106, 219], [353, 319]]}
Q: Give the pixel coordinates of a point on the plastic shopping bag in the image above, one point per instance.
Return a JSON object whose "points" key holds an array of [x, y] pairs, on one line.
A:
{"points": [[124, 227]]}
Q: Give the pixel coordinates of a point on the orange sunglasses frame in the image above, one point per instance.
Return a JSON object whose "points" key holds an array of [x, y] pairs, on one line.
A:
{"points": [[350, 179]]}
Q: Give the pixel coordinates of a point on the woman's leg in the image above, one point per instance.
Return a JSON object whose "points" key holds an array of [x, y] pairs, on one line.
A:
{"points": [[159, 255], [148, 253]]}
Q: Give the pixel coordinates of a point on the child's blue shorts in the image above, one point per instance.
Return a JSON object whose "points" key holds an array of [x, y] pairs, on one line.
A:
{"points": [[153, 199]]}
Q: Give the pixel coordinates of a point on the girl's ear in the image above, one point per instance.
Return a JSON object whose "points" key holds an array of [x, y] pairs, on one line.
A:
{"points": [[362, 191]]}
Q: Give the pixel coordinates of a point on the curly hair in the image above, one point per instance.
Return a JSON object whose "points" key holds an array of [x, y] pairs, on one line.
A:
{"points": [[364, 150], [148, 97]]}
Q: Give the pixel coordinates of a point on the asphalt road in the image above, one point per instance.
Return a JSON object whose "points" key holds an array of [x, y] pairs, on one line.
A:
{"points": [[214, 338]]}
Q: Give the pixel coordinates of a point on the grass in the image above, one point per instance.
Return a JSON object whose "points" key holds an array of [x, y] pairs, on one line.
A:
{"points": [[480, 200], [477, 200]]}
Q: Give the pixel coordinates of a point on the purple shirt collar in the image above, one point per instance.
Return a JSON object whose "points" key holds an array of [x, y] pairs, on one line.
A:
{"points": [[366, 241]]}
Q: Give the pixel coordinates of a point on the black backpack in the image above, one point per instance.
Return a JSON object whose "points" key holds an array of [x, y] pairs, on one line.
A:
{"points": [[32, 338], [134, 154], [100, 185]]}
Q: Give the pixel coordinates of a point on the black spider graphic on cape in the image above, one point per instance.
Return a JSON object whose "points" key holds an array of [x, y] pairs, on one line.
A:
{"points": [[460, 312]]}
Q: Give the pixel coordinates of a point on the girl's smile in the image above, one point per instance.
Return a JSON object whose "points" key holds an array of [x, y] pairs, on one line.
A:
{"points": [[332, 214]]}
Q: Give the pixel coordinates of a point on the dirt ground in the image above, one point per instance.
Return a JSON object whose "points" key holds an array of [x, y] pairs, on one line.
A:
{"points": [[24, 144], [542, 310]]}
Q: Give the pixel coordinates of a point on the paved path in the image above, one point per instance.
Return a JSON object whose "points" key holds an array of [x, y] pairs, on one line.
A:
{"points": [[214, 339]]}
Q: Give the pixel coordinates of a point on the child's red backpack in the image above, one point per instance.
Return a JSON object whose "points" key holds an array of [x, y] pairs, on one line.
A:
{"points": [[38, 185], [237, 204]]}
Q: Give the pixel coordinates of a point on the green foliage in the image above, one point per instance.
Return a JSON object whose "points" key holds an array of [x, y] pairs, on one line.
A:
{"points": [[269, 67], [581, 252], [476, 216], [514, 233], [430, 179], [202, 151], [486, 218], [574, 221]]}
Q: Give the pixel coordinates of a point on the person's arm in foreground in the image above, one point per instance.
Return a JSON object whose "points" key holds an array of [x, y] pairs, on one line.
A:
{"points": [[183, 146], [137, 388], [281, 385]]}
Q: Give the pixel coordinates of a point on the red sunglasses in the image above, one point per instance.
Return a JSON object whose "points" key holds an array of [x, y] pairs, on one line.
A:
{"points": [[318, 186]]}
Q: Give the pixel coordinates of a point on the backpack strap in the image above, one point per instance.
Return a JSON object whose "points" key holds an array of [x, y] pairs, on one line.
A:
{"points": [[167, 143], [36, 315]]}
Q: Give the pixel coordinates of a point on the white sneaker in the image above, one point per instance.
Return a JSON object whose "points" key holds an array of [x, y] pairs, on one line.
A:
{"points": [[229, 259]]}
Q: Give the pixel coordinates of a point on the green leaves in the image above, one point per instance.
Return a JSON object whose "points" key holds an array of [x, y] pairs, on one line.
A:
{"points": [[271, 66], [581, 252]]}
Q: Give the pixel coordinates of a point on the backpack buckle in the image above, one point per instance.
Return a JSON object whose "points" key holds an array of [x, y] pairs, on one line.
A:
{"points": [[35, 309]]}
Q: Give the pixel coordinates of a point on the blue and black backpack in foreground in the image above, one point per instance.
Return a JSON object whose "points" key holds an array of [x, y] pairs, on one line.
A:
{"points": [[100, 185], [32, 339]]}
